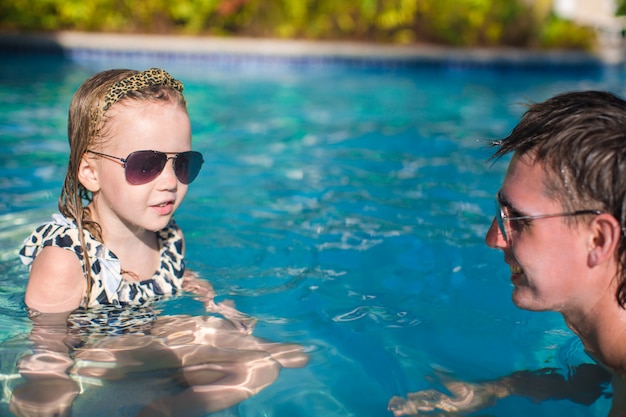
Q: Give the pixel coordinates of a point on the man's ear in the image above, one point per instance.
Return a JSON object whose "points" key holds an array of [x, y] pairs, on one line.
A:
{"points": [[88, 173], [606, 233]]}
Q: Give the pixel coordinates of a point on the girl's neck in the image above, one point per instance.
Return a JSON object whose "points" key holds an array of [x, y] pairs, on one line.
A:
{"points": [[139, 257], [137, 249]]}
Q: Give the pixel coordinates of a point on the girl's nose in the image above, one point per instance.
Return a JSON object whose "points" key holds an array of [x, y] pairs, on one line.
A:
{"points": [[167, 177]]}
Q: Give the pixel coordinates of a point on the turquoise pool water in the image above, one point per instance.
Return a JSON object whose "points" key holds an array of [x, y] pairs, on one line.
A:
{"points": [[344, 206]]}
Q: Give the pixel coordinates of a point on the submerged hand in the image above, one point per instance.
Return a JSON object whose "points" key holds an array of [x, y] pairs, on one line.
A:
{"points": [[465, 397]]}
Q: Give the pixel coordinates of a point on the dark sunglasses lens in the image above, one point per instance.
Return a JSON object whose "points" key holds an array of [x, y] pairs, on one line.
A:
{"points": [[144, 166], [187, 166]]}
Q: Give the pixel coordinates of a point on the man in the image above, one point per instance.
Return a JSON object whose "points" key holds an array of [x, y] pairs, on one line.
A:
{"points": [[560, 222]]}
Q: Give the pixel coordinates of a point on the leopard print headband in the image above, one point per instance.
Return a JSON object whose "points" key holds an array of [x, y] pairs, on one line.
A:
{"points": [[149, 78]]}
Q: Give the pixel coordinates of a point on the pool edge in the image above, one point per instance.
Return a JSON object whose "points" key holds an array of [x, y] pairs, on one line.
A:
{"points": [[67, 42]]}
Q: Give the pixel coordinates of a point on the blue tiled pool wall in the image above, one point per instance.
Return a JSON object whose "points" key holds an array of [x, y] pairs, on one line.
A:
{"points": [[504, 59]]}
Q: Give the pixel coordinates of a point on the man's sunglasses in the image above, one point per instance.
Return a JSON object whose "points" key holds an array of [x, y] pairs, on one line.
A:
{"points": [[501, 217], [141, 167]]}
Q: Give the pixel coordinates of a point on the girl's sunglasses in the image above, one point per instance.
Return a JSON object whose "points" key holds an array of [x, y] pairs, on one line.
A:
{"points": [[141, 167]]}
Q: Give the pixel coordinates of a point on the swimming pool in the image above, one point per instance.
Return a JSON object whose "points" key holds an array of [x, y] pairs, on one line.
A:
{"points": [[344, 206]]}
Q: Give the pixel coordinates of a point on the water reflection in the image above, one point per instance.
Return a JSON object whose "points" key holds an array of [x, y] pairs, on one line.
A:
{"points": [[176, 365]]}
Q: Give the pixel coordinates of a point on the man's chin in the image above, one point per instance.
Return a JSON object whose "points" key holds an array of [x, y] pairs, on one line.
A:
{"points": [[522, 299]]}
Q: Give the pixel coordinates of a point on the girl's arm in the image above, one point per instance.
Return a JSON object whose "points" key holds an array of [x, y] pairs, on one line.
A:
{"points": [[56, 283], [200, 287], [47, 390], [204, 290]]}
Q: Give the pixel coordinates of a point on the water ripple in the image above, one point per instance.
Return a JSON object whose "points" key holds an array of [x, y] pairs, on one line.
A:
{"points": [[379, 314]]}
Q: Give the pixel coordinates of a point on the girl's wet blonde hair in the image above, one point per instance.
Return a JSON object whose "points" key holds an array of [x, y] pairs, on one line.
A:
{"points": [[87, 123]]}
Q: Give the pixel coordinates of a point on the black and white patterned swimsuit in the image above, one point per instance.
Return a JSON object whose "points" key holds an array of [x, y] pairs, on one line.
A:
{"points": [[108, 286]]}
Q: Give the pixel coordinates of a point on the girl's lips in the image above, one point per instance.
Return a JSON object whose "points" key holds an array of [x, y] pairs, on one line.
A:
{"points": [[164, 208]]}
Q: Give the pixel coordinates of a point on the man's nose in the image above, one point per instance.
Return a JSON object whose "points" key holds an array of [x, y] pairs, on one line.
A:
{"points": [[494, 238]]}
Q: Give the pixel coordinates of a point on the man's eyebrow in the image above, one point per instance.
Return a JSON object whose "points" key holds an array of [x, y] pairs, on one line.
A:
{"points": [[505, 202], [502, 199]]}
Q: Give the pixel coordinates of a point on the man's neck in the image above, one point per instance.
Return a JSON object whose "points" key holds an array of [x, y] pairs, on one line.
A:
{"points": [[602, 329]]}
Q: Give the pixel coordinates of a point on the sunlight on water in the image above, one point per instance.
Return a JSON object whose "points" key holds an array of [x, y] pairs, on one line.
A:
{"points": [[344, 208]]}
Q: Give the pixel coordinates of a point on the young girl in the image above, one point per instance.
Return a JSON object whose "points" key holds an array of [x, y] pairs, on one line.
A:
{"points": [[115, 248]]}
